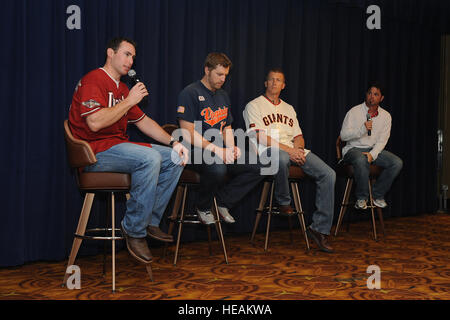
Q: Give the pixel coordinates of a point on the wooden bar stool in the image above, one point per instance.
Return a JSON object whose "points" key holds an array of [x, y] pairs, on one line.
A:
{"points": [[347, 171], [80, 154], [190, 178], [296, 174]]}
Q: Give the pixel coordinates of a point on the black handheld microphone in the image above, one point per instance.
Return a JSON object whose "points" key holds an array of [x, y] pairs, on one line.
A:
{"points": [[369, 118], [133, 76]]}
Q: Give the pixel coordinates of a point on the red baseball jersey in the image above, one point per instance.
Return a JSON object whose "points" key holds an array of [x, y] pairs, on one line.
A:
{"points": [[94, 91]]}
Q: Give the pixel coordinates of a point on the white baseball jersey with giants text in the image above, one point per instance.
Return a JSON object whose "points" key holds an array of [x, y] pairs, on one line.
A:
{"points": [[278, 121]]}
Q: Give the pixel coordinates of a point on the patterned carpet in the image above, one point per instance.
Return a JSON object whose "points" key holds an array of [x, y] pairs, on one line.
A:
{"points": [[414, 260]]}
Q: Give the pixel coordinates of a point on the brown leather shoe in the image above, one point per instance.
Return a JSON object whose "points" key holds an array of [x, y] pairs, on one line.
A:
{"points": [[158, 234], [286, 210], [137, 247], [320, 239]]}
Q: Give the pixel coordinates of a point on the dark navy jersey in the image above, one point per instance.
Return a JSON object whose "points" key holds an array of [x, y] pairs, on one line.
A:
{"points": [[198, 103]]}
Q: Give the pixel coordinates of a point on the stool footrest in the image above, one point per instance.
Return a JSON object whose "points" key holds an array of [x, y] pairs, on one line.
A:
{"points": [[189, 221], [88, 235], [277, 212], [188, 218]]}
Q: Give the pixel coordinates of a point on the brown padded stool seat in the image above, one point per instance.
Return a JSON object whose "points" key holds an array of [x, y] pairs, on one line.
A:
{"points": [[347, 170], [295, 172], [190, 176], [104, 181]]}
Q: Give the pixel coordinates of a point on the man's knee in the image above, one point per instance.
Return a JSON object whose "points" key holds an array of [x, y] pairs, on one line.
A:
{"points": [[397, 164], [327, 174], [216, 172], [151, 159], [360, 161], [331, 175]]}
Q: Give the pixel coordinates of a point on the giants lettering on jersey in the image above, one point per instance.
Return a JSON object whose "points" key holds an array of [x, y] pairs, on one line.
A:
{"points": [[112, 101], [279, 118], [214, 117]]}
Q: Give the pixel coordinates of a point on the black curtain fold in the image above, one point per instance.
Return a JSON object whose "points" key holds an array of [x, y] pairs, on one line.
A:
{"points": [[324, 47]]}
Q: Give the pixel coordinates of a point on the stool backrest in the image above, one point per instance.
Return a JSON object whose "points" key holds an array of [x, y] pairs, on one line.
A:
{"points": [[339, 145], [79, 152], [169, 128]]}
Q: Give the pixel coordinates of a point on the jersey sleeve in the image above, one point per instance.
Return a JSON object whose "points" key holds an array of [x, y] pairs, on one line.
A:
{"points": [[90, 98], [296, 130], [253, 118], [135, 114], [187, 108], [230, 118]]}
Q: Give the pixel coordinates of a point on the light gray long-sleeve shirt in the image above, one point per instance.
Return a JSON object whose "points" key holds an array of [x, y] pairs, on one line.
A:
{"points": [[354, 132]]}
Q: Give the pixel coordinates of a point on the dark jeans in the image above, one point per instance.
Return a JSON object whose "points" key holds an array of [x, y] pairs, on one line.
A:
{"points": [[228, 192], [390, 163]]}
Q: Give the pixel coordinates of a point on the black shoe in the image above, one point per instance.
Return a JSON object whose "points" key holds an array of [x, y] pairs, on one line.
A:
{"points": [[158, 234], [320, 239], [137, 247]]}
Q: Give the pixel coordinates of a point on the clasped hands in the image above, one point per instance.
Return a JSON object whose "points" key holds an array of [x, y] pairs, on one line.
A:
{"points": [[297, 155], [229, 155]]}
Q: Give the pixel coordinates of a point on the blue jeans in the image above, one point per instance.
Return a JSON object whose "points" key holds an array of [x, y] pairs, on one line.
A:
{"points": [[154, 176], [387, 160], [325, 178]]}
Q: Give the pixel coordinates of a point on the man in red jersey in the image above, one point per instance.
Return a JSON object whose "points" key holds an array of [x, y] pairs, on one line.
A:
{"points": [[102, 107]]}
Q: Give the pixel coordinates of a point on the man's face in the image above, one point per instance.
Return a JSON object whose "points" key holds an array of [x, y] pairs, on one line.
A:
{"points": [[274, 83], [216, 77], [122, 60], [373, 97]]}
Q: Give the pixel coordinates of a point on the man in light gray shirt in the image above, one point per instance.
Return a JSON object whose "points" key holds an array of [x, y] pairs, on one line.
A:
{"points": [[366, 129]]}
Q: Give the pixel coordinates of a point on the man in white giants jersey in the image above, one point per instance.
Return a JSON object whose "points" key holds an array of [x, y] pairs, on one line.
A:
{"points": [[275, 124]]}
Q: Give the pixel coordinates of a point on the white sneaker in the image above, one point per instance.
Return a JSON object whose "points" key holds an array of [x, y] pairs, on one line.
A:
{"points": [[361, 204], [226, 216], [380, 203], [205, 217]]}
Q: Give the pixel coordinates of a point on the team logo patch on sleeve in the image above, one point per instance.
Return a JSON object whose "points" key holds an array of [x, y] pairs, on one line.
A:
{"points": [[180, 109], [90, 103]]}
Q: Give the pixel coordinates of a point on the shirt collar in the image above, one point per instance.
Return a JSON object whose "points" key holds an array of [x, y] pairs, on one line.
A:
{"points": [[366, 109], [212, 93], [115, 81]]}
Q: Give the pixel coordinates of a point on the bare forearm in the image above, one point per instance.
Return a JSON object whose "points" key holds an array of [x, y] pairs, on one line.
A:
{"points": [[106, 117], [296, 153], [270, 142], [153, 130], [195, 138], [228, 137], [299, 142]]}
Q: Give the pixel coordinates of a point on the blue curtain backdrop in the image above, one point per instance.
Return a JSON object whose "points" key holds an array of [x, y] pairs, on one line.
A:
{"points": [[324, 47]]}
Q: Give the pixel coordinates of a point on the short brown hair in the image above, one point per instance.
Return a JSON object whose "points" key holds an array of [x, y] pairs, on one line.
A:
{"points": [[116, 42], [217, 58], [275, 70]]}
